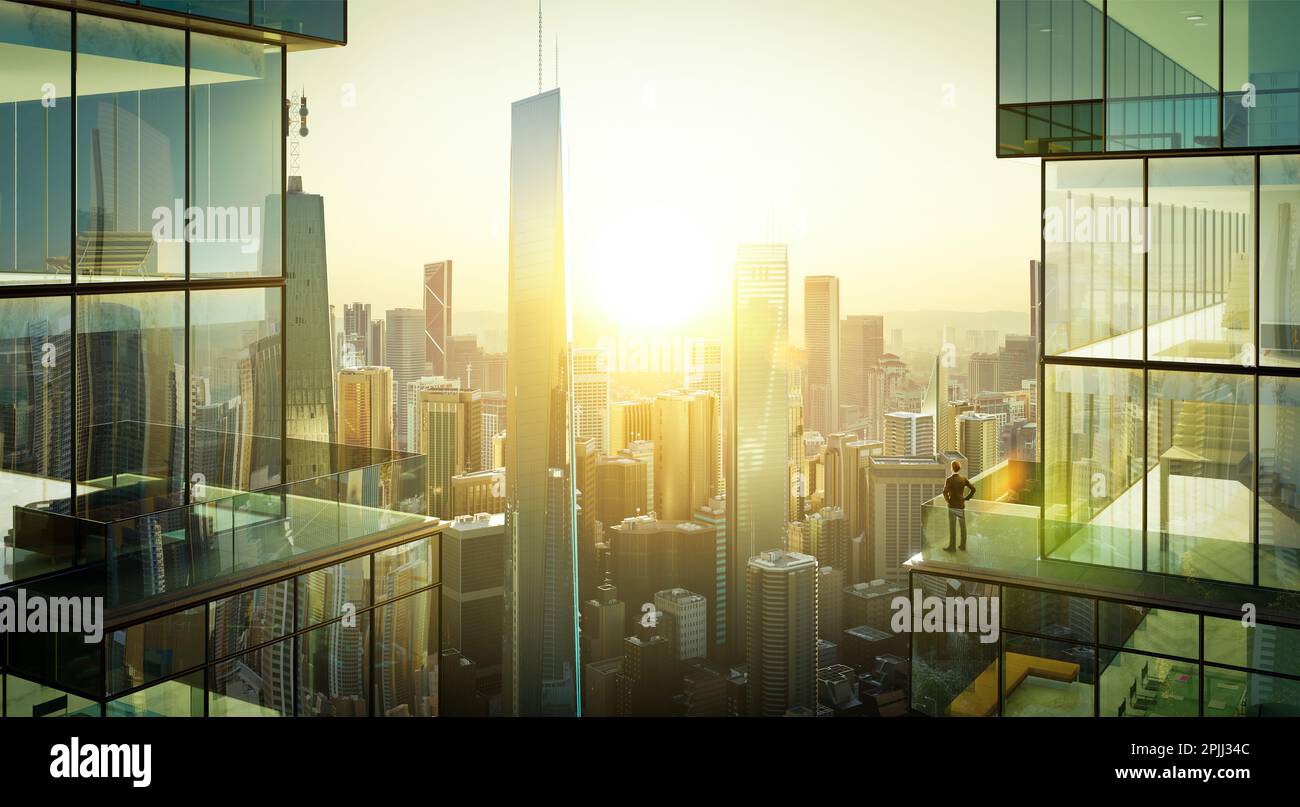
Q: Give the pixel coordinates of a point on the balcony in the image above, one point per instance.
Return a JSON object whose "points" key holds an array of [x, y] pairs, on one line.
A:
{"points": [[134, 538], [1198, 566]]}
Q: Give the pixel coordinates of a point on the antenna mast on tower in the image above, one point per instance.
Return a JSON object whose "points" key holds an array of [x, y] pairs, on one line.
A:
{"points": [[539, 47]]}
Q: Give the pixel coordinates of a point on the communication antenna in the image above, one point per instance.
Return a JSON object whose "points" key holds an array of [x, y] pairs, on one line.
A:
{"points": [[557, 60], [296, 127], [539, 47]]}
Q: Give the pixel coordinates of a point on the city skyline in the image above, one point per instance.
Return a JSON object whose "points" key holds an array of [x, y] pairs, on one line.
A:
{"points": [[641, 229]]}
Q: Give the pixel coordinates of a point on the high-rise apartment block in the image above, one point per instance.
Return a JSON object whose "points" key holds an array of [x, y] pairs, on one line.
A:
{"points": [[781, 632]]}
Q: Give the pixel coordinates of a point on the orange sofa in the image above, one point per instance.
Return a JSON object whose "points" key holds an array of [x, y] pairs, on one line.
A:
{"points": [[980, 699]]}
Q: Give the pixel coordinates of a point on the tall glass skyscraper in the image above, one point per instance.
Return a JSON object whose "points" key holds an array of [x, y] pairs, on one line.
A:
{"points": [[757, 450], [540, 674], [1149, 561], [154, 452]]}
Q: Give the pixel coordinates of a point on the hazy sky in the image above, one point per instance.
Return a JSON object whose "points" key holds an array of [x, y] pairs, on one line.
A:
{"points": [[861, 132]]}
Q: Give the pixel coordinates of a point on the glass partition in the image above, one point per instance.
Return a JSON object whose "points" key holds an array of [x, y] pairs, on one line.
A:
{"points": [[1279, 259], [1095, 233], [35, 141], [1200, 491], [234, 391], [1049, 77], [1261, 73], [130, 376], [130, 104], [1279, 482], [326, 19], [1093, 429], [235, 143], [1200, 273], [1162, 74]]}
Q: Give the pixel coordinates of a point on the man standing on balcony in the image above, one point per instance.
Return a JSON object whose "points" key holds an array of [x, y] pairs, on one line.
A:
{"points": [[955, 492]]}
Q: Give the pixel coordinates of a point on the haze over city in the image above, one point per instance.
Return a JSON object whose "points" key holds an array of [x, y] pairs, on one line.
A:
{"points": [[689, 127]]}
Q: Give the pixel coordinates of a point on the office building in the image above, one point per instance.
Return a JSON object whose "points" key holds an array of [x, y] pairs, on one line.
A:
{"points": [[591, 396], [684, 617], [983, 374], [714, 516], [643, 451], [977, 440], [356, 330], [649, 555], [1163, 369], [630, 422], [1016, 362], [437, 316], [684, 452], [449, 432], [821, 327], [541, 596], [757, 432], [473, 591], [586, 507], [174, 381], [898, 487], [478, 492], [781, 632], [862, 342], [621, 489], [309, 367], [404, 355], [909, 434], [704, 373], [955, 410], [365, 407], [603, 624]]}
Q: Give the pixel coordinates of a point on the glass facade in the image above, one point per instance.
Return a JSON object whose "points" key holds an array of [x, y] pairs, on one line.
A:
{"points": [[1070, 655], [1156, 348], [1086, 76], [320, 643]]}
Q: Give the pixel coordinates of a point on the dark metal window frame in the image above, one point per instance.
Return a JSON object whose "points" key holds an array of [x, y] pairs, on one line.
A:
{"points": [[1095, 643], [75, 288], [1146, 364]]}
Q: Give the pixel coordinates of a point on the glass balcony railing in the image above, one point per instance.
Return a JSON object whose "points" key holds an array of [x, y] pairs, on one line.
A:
{"points": [[128, 543]]}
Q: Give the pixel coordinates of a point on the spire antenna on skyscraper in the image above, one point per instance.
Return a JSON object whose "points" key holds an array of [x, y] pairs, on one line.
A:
{"points": [[539, 47]]}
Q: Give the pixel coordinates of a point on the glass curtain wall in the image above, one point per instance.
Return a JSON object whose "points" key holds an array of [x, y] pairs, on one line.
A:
{"points": [[143, 354], [1083, 76]]}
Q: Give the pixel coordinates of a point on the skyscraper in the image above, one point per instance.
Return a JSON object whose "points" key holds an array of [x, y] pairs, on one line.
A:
{"points": [[356, 330], [757, 434], [982, 374], [404, 355], [472, 592], [630, 421], [821, 327], [935, 399], [862, 342], [704, 372], [591, 395], [448, 429], [898, 487], [909, 434], [781, 632], [977, 439], [366, 407], [685, 474], [540, 635], [437, 315], [310, 359]]}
